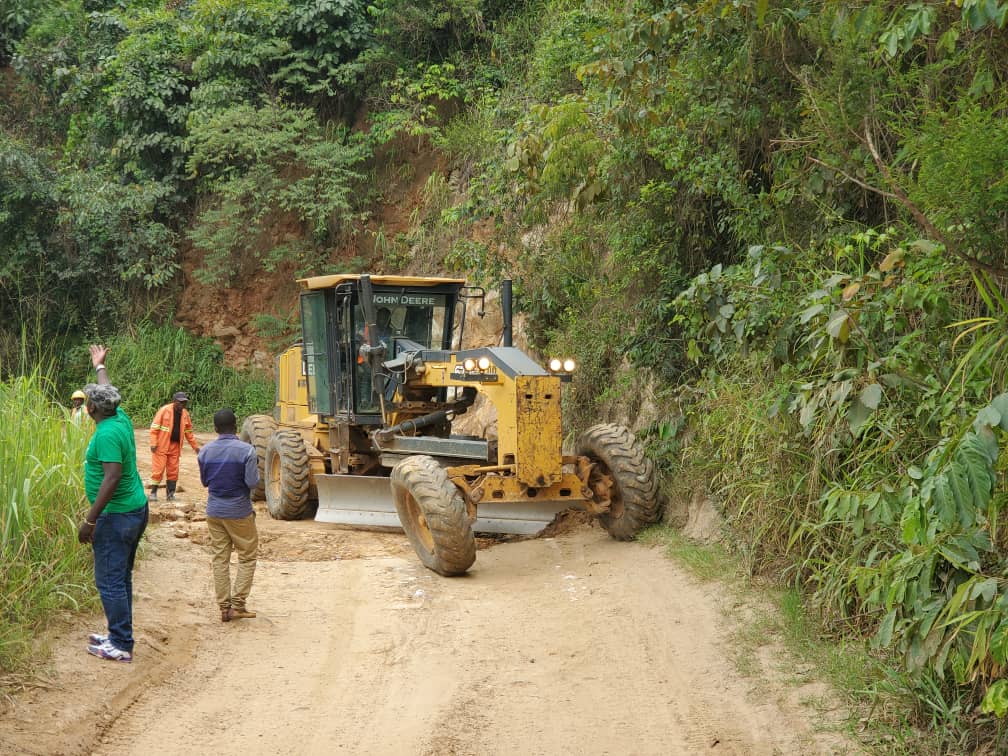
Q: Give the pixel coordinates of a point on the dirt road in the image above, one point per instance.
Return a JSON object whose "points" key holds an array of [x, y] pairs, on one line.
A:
{"points": [[574, 644]]}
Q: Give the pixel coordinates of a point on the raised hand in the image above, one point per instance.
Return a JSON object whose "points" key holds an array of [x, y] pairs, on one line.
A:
{"points": [[98, 352]]}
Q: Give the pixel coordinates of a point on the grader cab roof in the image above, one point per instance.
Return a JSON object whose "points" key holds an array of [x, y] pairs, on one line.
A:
{"points": [[328, 282]]}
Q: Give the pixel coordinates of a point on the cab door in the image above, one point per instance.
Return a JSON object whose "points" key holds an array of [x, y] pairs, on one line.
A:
{"points": [[318, 352]]}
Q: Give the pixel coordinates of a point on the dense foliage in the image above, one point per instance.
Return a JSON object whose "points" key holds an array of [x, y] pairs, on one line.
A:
{"points": [[794, 218], [791, 218]]}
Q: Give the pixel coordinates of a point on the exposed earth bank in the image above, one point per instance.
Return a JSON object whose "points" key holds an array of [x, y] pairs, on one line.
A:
{"points": [[567, 644]]}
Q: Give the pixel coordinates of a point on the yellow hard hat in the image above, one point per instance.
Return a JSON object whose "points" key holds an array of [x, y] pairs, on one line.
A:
{"points": [[78, 394]]}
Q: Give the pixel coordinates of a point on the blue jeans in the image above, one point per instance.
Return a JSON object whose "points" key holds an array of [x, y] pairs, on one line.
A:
{"points": [[116, 538]]}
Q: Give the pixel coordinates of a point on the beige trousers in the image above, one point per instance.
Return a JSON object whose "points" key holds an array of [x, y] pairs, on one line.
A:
{"points": [[241, 536]]}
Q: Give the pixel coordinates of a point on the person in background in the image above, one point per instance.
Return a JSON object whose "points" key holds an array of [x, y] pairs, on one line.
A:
{"points": [[78, 406], [229, 469], [118, 514], [170, 424], [383, 322], [384, 331], [383, 326]]}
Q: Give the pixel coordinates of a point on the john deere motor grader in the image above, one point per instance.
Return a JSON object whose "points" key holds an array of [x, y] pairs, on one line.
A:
{"points": [[362, 427]]}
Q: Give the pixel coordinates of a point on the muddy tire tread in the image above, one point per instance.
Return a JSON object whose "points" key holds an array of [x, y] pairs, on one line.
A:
{"points": [[256, 430], [444, 510], [294, 475], [633, 472]]}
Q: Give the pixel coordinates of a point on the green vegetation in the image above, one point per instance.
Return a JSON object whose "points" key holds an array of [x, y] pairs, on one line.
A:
{"points": [[788, 221], [795, 224], [42, 567], [131, 128], [150, 363]]}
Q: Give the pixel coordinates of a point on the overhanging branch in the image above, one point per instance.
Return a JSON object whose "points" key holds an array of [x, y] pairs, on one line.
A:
{"points": [[896, 193]]}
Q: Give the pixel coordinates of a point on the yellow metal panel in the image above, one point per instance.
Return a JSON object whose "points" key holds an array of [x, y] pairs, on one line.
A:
{"points": [[538, 430], [327, 282], [506, 489], [502, 398], [292, 389]]}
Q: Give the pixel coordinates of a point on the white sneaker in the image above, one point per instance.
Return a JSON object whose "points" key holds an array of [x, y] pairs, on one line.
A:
{"points": [[107, 651]]}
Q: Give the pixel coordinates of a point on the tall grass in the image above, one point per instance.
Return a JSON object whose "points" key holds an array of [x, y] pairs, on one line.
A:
{"points": [[42, 567], [745, 457], [152, 362]]}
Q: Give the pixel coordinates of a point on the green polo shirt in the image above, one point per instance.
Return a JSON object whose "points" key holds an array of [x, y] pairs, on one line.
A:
{"points": [[113, 441]]}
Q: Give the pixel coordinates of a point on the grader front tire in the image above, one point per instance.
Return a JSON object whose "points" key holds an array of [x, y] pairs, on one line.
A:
{"points": [[256, 430], [625, 476], [433, 515], [287, 476]]}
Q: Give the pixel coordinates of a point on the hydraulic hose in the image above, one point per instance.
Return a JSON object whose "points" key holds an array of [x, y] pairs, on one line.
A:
{"points": [[434, 418]]}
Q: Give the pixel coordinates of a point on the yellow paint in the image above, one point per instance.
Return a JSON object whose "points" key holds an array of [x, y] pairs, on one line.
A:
{"points": [[328, 282], [538, 432], [292, 390], [507, 489], [529, 432]]}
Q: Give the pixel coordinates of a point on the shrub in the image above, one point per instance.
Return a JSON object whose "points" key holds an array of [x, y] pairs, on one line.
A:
{"points": [[256, 163]]}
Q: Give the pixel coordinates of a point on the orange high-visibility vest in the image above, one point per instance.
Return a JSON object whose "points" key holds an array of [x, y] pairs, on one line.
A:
{"points": [[161, 428]]}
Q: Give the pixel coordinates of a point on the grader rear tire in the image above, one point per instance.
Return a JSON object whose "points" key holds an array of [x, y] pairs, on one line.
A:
{"points": [[624, 475], [256, 430], [433, 515], [287, 471]]}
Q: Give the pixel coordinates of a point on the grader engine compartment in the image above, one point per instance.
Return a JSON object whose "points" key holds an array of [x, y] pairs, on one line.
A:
{"points": [[361, 432]]}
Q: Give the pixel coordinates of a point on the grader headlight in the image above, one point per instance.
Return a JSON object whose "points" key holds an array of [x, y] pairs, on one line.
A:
{"points": [[562, 368], [483, 363], [469, 365], [565, 365]]}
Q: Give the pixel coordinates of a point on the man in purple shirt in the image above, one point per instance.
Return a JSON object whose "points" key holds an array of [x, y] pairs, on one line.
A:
{"points": [[229, 469]]}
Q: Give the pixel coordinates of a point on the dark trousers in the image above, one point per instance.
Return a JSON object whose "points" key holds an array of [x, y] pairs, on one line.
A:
{"points": [[116, 538]]}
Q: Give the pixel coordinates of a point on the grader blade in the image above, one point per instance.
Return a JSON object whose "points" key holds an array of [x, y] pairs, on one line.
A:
{"points": [[516, 518], [363, 500], [366, 501]]}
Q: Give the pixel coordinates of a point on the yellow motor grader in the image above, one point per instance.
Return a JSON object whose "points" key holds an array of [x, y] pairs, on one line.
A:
{"points": [[362, 427]]}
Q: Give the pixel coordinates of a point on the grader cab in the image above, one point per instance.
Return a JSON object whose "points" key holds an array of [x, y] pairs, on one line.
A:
{"points": [[362, 427]]}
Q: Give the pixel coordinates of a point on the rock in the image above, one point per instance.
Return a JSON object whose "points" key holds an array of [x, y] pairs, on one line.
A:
{"points": [[479, 420], [180, 533], [485, 331], [704, 521]]}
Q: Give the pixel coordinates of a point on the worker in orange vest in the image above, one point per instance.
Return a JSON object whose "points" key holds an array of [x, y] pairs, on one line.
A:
{"points": [[170, 424]]}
